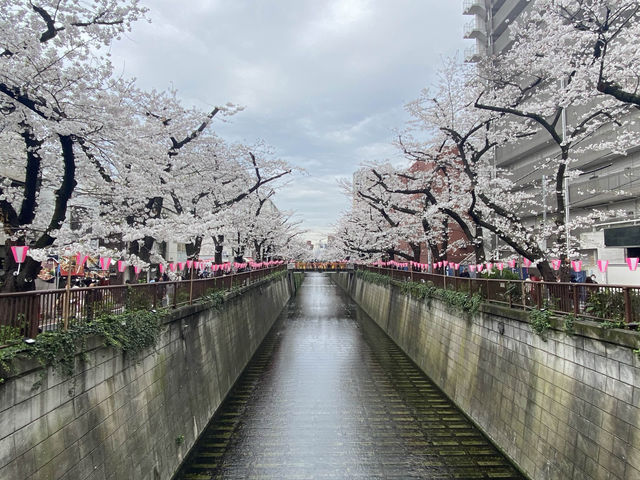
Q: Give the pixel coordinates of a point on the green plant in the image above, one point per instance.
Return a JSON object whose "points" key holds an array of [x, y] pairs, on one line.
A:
{"points": [[179, 440], [418, 290], [462, 301], [500, 275], [9, 334], [298, 277], [606, 304], [373, 277], [539, 321], [607, 325], [138, 299], [129, 332], [569, 321], [637, 352], [610, 305], [182, 296], [212, 297]]}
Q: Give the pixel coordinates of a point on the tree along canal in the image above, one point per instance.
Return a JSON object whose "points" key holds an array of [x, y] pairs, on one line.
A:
{"points": [[329, 396]]}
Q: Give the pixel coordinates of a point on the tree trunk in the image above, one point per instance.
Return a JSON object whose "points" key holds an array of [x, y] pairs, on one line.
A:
{"points": [[193, 248], [219, 243]]}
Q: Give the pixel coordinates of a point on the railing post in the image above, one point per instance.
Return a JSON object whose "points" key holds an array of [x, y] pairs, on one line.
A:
{"points": [[575, 299], [175, 294], [67, 298], [627, 306], [538, 287], [191, 287], [155, 295]]}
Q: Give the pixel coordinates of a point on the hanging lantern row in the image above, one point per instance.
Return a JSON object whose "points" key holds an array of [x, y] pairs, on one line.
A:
{"points": [[20, 255], [576, 265]]}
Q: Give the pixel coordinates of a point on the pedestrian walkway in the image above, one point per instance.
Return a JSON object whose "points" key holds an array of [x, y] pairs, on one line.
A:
{"points": [[329, 396]]}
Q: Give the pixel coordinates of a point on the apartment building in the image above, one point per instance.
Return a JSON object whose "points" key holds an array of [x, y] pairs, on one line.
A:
{"points": [[608, 181]]}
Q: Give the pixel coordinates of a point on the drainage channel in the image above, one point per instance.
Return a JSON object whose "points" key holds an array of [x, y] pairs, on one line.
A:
{"points": [[329, 396]]}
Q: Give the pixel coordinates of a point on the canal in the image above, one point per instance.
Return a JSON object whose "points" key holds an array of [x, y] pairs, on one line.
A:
{"points": [[329, 396]]}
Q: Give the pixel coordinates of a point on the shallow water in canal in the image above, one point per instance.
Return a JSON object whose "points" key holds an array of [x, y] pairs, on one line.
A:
{"points": [[329, 396]]}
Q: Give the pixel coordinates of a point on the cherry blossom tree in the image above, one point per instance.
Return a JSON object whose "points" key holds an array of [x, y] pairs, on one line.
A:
{"points": [[60, 106], [550, 85], [592, 42], [90, 156], [377, 223]]}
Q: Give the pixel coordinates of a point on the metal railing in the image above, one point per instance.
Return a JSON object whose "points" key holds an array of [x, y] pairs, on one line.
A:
{"points": [[598, 302], [26, 314]]}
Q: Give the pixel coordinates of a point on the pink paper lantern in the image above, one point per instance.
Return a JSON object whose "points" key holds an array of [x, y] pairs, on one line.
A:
{"points": [[439, 264], [500, 266], [172, 267], [80, 260], [189, 264], [472, 268], [489, 266], [19, 253], [479, 267], [555, 264], [445, 262], [576, 265], [602, 265], [632, 263], [161, 267], [512, 263], [105, 263], [121, 266], [526, 262]]}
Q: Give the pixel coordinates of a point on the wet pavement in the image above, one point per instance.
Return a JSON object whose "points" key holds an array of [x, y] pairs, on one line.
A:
{"points": [[329, 396]]}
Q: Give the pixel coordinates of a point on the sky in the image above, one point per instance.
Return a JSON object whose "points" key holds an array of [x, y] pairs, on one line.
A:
{"points": [[323, 82]]}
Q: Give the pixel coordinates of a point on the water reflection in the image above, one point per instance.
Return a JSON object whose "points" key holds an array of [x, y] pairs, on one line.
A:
{"points": [[329, 396]]}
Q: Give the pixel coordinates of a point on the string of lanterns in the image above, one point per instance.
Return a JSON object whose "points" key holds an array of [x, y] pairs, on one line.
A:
{"points": [[20, 255], [576, 265]]}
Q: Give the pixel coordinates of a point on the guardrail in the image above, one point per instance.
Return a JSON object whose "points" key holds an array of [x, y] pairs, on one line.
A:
{"points": [[599, 302], [27, 314]]}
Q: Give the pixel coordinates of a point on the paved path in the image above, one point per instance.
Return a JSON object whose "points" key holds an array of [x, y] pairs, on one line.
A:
{"points": [[329, 396]]}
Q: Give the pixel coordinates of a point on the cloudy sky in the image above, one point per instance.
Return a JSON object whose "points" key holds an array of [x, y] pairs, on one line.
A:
{"points": [[324, 82]]}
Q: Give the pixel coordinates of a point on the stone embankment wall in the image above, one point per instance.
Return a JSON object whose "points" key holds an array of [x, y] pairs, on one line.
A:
{"points": [[564, 408], [133, 418]]}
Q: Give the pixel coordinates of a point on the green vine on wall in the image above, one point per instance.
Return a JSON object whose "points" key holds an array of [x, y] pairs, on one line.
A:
{"points": [[372, 277], [131, 332], [540, 321], [128, 332], [461, 301]]}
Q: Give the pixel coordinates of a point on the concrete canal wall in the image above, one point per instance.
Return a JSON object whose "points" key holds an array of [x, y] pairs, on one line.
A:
{"points": [[565, 408], [133, 418]]}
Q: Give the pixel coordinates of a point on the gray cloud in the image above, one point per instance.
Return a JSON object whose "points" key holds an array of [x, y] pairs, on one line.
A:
{"points": [[324, 82]]}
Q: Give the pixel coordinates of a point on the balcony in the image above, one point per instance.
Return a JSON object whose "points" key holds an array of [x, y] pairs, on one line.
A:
{"points": [[473, 7], [475, 29], [474, 54]]}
